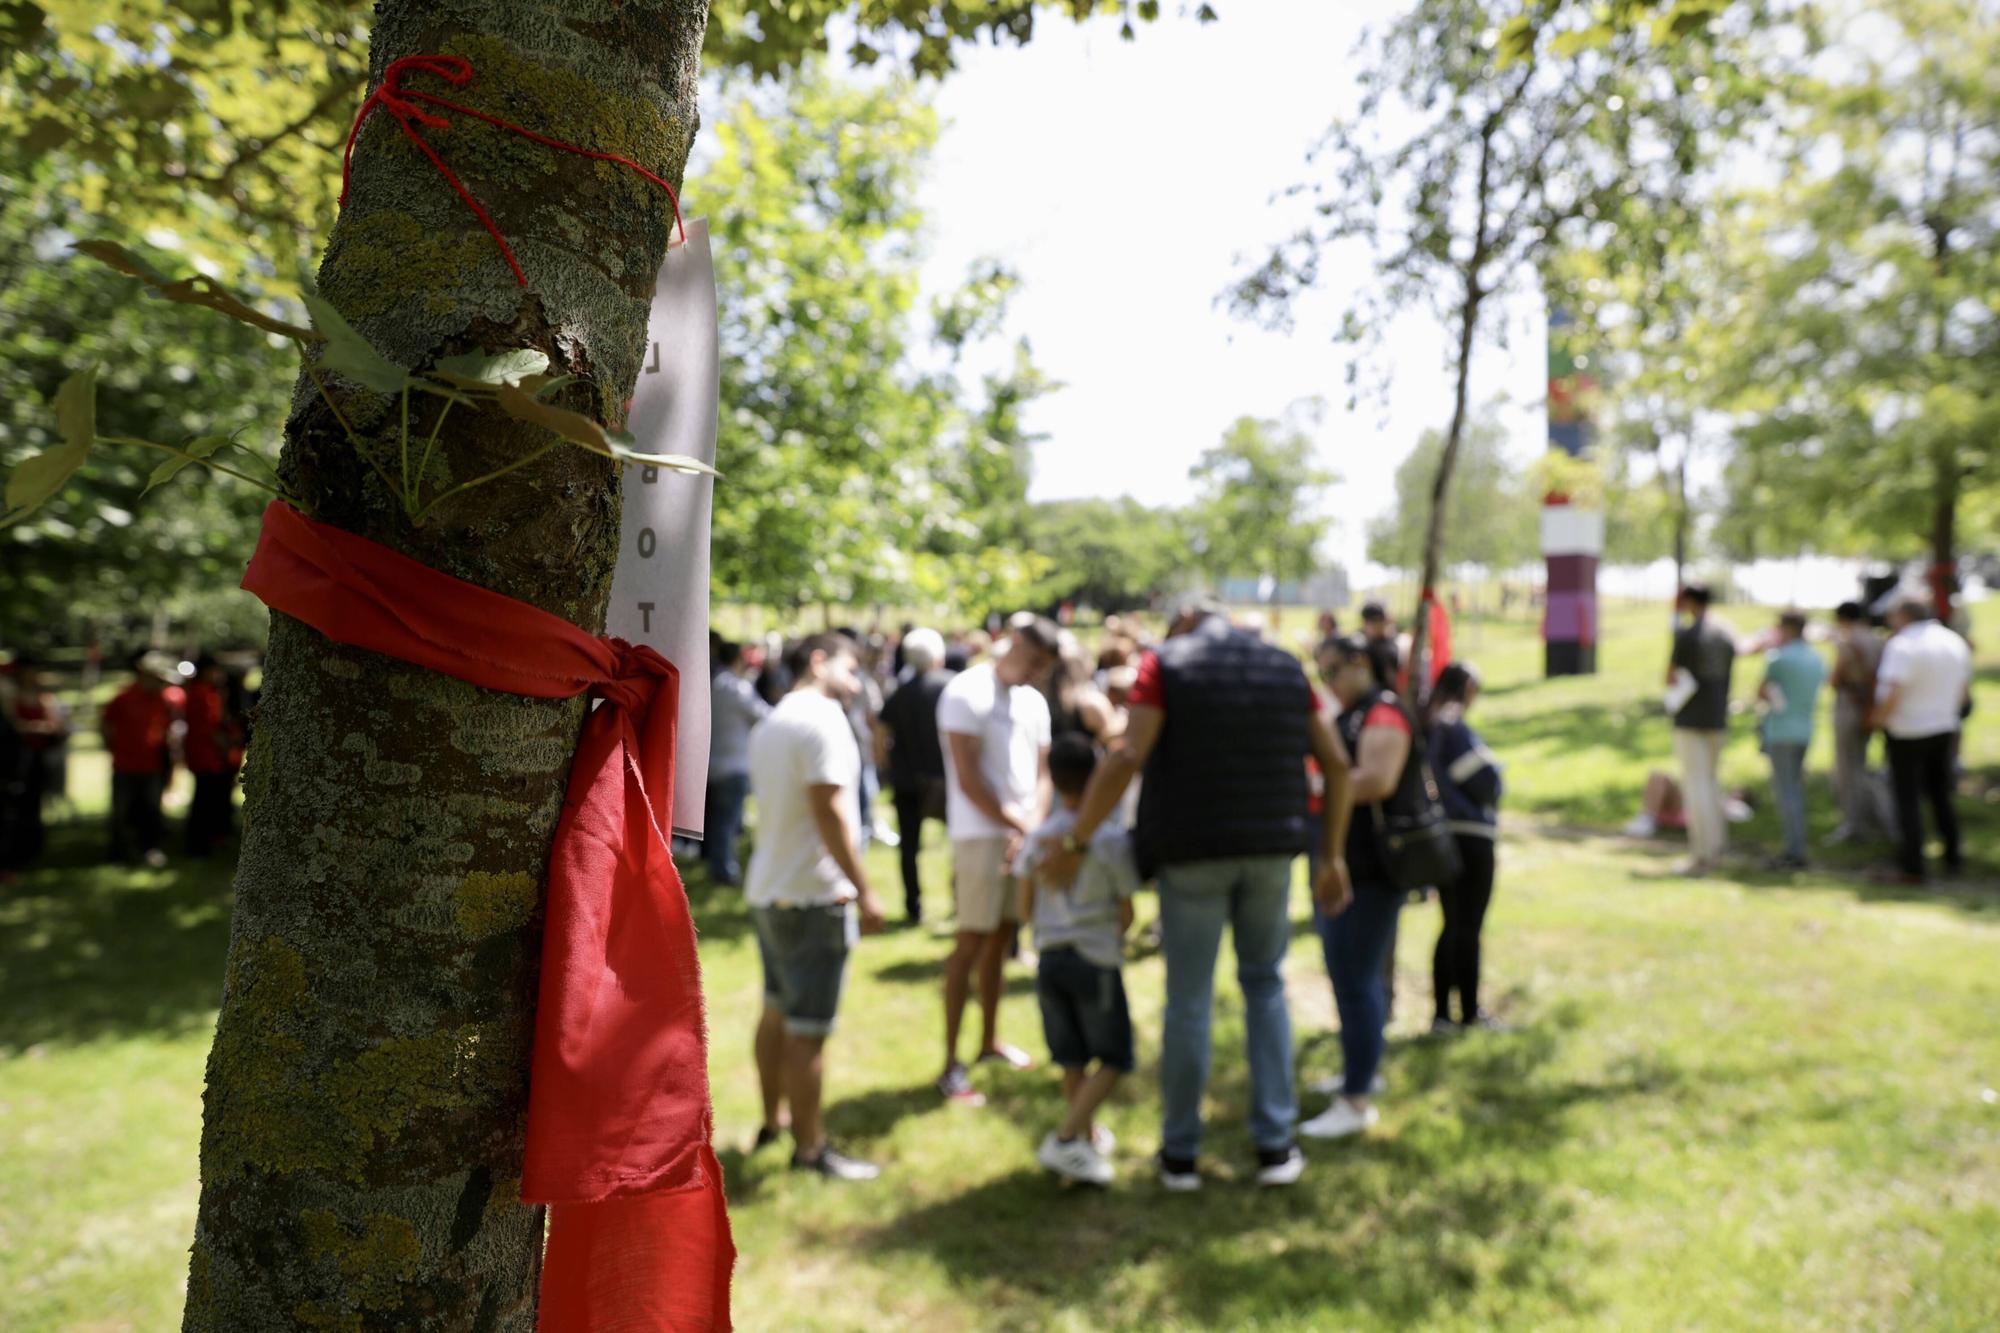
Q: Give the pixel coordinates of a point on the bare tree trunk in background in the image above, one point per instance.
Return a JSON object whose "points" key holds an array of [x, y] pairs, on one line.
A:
{"points": [[366, 1100]]}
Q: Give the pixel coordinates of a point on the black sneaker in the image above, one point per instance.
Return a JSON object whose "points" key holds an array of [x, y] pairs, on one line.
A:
{"points": [[1280, 1166], [1178, 1174], [836, 1165], [766, 1136]]}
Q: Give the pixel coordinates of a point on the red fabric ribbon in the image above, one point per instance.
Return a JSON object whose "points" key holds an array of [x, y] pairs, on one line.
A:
{"points": [[619, 1120], [400, 103]]}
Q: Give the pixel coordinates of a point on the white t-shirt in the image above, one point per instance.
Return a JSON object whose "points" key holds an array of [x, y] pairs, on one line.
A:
{"points": [[805, 742], [1933, 666], [1012, 726]]}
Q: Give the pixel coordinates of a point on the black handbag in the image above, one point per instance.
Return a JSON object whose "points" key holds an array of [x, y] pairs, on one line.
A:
{"points": [[1417, 840]]}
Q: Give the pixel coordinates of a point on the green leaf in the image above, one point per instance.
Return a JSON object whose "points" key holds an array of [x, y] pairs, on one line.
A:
{"points": [[510, 367], [201, 291], [44, 475], [581, 430], [349, 354], [192, 452], [672, 462], [1517, 40]]}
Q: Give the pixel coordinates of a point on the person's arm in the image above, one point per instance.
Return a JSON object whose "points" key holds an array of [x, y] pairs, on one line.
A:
{"points": [[1045, 786], [1379, 766], [885, 740], [1888, 687], [1332, 890], [962, 749], [1680, 658], [1127, 756], [829, 803]]}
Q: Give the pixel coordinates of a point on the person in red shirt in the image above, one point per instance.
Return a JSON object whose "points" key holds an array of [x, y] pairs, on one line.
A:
{"points": [[136, 725], [41, 725], [213, 752]]}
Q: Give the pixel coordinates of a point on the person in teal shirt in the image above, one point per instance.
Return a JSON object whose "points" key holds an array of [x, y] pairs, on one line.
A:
{"points": [[1793, 673]]}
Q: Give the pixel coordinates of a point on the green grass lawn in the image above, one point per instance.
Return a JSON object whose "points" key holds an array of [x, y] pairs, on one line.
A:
{"points": [[1743, 1102]]}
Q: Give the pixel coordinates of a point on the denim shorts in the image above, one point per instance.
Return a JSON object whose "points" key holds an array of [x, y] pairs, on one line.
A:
{"points": [[1083, 1011], [804, 951]]}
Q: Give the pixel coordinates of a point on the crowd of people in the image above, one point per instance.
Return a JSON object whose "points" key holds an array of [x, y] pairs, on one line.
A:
{"points": [[1207, 763], [169, 715], [1908, 678]]}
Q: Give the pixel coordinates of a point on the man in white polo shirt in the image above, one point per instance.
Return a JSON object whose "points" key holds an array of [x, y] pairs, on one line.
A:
{"points": [[1920, 695], [995, 726], [805, 886]]}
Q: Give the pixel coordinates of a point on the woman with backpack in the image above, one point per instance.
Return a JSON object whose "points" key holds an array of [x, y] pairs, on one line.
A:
{"points": [[1468, 778], [1385, 779]]}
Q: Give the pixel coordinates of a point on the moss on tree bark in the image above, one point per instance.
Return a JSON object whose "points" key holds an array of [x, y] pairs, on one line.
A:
{"points": [[366, 1099]]}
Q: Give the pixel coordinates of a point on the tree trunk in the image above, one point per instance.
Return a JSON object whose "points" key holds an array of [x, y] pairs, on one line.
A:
{"points": [[1944, 537], [362, 1137], [1468, 329], [1680, 523]]}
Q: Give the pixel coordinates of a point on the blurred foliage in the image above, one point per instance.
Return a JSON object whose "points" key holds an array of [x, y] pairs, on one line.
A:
{"points": [[1495, 505], [860, 467], [1860, 329], [95, 559], [1109, 554], [1257, 505]]}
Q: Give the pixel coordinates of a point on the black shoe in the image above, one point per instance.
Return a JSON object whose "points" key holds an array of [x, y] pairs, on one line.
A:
{"points": [[836, 1165], [766, 1136], [1178, 1174]]}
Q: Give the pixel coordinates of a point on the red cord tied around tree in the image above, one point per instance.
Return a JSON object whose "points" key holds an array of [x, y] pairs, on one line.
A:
{"points": [[400, 102], [620, 1128]]}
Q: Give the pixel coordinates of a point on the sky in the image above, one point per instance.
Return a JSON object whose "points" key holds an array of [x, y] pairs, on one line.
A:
{"points": [[1128, 183]]}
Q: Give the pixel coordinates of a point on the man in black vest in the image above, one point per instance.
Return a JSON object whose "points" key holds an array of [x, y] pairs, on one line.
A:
{"points": [[1221, 723]]}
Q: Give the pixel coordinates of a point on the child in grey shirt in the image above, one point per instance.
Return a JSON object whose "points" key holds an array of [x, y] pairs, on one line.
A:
{"points": [[1080, 933]]}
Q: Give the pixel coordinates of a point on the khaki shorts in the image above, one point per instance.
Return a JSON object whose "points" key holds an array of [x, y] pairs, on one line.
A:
{"points": [[984, 892]]}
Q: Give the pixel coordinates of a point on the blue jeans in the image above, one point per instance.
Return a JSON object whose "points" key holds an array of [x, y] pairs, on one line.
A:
{"points": [[1357, 945], [1250, 896], [724, 824], [1788, 783]]}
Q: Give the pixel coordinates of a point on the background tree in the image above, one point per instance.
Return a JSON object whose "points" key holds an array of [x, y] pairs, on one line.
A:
{"points": [[1496, 507], [1108, 554], [97, 563], [1471, 149], [1866, 341], [1258, 496], [1645, 276], [855, 475]]}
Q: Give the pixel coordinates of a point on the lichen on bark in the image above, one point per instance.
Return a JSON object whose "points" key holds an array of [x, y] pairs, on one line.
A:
{"points": [[361, 1144]]}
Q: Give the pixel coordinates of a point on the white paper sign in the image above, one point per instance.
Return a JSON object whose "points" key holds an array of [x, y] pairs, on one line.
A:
{"points": [[659, 589]]}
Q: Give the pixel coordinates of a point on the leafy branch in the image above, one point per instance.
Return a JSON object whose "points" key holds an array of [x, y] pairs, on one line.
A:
{"points": [[516, 382]]}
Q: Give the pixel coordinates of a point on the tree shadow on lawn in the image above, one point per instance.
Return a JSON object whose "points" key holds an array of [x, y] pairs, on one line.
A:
{"points": [[91, 950], [1409, 1225]]}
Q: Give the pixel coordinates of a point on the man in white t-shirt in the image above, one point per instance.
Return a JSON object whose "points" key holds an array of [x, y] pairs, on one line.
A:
{"points": [[995, 726], [1921, 688], [806, 885]]}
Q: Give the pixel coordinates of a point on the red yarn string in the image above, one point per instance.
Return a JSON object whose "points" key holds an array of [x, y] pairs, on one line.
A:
{"points": [[399, 102]]}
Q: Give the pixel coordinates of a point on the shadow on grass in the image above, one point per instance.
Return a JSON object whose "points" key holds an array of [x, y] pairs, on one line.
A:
{"points": [[90, 950], [1457, 1199]]}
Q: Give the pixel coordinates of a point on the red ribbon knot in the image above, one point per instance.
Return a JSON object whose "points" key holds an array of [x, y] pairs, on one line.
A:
{"points": [[401, 104]]}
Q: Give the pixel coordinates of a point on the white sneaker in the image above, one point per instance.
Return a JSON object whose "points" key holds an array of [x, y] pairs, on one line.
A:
{"points": [[1273, 1169], [1641, 826], [1075, 1160], [1340, 1120], [1102, 1139], [1331, 1085]]}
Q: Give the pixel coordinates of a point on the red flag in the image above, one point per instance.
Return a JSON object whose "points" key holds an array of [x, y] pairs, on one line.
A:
{"points": [[619, 1121]]}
